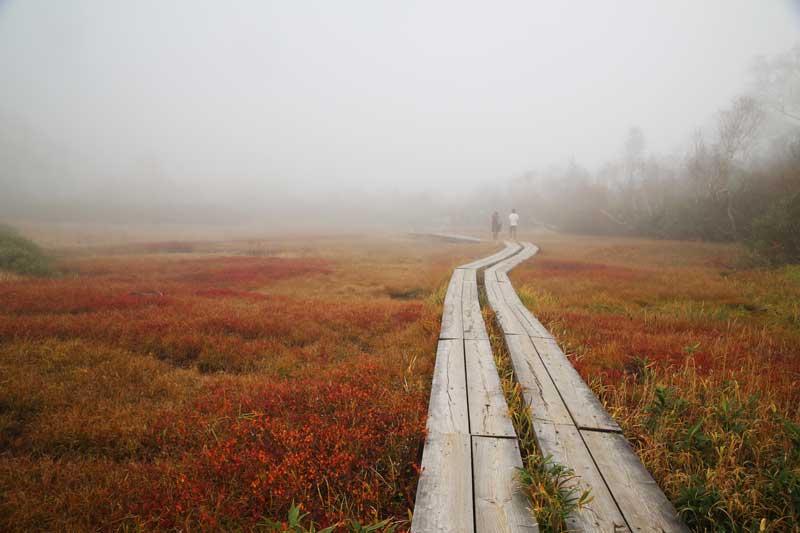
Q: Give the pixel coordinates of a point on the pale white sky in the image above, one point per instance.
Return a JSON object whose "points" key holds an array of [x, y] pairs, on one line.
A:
{"points": [[409, 94]]}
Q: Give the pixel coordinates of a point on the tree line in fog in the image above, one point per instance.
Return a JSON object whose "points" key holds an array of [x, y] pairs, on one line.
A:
{"points": [[737, 179]]}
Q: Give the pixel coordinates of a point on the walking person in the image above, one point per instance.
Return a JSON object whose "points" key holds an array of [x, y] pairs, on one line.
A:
{"points": [[513, 220], [496, 225]]}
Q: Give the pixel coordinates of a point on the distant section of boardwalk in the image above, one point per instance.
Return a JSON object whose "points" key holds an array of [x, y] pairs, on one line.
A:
{"points": [[471, 455], [570, 423], [467, 483], [450, 237]]}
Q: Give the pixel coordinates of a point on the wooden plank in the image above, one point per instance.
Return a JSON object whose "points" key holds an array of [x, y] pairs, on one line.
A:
{"points": [[490, 276], [500, 505], [448, 237], [528, 251], [571, 425], [583, 405], [492, 289], [638, 496], [444, 501], [504, 264], [540, 394], [505, 316], [501, 268], [563, 443], [472, 319], [508, 250], [529, 323], [447, 409], [502, 276], [488, 410], [505, 267], [452, 327], [508, 321], [452, 237]]}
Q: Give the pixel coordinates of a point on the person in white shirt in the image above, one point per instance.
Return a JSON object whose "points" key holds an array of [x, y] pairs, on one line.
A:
{"points": [[513, 220]]}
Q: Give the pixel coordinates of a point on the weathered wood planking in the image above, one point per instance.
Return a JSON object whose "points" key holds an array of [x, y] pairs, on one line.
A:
{"points": [[637, 494], [505, 316], [488, 410], [501, 269], [452, 327], [583, 405], [585, 408], [554, 428], [444, 500], [510, 249], [529, 323], [538, 389], [449, 237], [563, 443], [445, 496], [500, 506], [532, 324], [447, 409], [472, 319], [561, 403], [494, 279]]}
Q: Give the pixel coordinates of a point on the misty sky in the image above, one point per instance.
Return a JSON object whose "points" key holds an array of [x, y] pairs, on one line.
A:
{"points": [[380, 95]]}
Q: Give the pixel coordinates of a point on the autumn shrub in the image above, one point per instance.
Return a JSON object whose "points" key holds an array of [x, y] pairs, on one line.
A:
{"points": [[341, 445], [775, 236], [21, 255]]}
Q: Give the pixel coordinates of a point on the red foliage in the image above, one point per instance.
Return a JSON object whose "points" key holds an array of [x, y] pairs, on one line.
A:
{"points": [[142, 307], [310, 440], [619, 317], [557, 268], [251, 271], [229, 293], [327, 423]]}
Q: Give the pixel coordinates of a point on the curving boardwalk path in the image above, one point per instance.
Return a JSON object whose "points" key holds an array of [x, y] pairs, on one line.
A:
{"points": [[471, 453], [469, 462]]}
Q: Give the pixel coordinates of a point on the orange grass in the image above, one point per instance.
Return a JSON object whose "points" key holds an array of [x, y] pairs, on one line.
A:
{"points": [[699, 362], [210, 385]]}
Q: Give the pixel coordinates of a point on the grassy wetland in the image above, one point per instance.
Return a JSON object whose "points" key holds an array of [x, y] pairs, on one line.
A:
{"points": [[211, 385], [697, 358]]}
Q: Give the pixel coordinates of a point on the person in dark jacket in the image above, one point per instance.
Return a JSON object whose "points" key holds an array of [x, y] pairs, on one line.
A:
{"points": [[496, 225]]}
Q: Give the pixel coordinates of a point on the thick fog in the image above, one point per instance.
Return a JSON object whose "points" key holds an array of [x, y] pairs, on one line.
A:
{"points": [[255, 109]]}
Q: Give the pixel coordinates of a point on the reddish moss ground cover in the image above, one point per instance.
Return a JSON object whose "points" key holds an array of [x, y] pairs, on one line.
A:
{"points": [[697, 358], [201, 386], [195, 387]]}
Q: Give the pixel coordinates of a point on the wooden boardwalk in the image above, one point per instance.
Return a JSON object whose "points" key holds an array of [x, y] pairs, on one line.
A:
{"points": [[449, 237], [467, 482], [471, 453]]}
